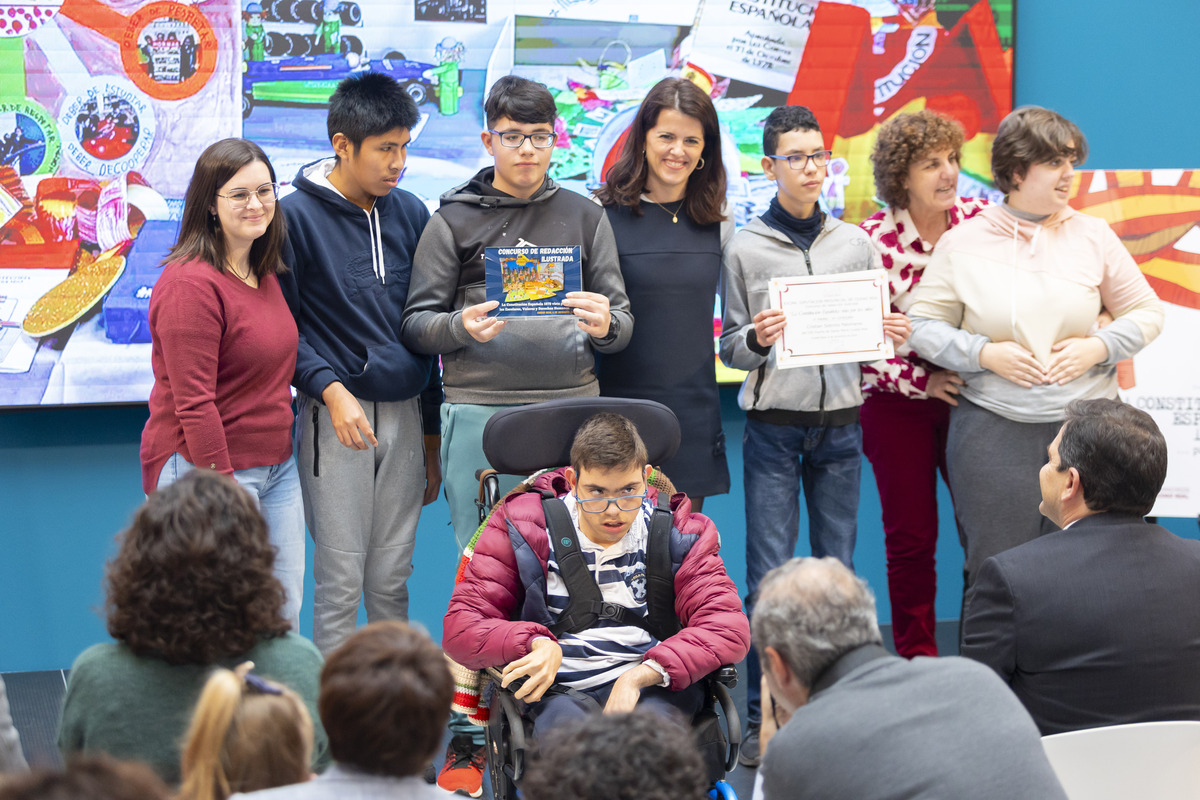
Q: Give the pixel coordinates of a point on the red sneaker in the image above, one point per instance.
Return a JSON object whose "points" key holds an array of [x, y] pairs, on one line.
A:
{"points": [[463, 770]]}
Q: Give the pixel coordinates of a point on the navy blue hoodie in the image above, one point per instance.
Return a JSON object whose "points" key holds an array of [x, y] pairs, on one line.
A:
{"points": [[347, 285]]}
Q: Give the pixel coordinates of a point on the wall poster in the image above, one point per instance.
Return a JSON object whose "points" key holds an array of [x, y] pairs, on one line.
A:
{"points": [[105, 104]]}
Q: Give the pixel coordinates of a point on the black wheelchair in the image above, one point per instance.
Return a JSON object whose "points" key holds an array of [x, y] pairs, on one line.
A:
{"points": [[525, 440]]}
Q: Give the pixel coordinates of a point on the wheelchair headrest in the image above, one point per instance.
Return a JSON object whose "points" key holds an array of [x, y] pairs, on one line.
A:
{"points": [[524, 439]]}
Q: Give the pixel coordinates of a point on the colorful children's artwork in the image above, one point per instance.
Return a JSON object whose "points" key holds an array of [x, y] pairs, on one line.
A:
{"points": [[105, 105], [1157, 215], [531, 281]]}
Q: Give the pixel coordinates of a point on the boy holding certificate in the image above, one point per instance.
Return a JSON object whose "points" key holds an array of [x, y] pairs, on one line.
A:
{"points": [[802, 430], [492, 362]]}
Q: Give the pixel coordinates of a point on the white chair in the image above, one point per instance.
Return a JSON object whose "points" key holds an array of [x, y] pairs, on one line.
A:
{"points": [[1158, 760]]}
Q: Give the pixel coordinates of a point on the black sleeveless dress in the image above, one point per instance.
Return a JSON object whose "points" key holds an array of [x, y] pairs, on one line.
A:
{"points": [[671, 272]]}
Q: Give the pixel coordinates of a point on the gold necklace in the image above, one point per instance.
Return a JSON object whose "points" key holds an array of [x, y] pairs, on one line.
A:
{"points": [[674, 214]]}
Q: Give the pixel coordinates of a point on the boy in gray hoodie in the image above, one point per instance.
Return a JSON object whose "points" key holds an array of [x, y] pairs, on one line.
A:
{"points": [[490, 363], [802, 430]]}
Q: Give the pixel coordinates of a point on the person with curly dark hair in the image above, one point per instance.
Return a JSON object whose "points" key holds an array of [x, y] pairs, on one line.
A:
{"points": [[604, 756], [191, 587], [906, 406]]}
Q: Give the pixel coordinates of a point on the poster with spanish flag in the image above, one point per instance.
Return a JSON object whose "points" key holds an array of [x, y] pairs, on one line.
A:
{"points": [[105, 105], [1157, 215]]}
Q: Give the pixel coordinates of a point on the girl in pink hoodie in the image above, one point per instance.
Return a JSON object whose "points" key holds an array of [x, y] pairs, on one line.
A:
{"points": [[1010, 301]]}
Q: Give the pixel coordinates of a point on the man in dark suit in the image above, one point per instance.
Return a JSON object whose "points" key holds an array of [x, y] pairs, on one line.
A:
{"points": [[1096, 624]]}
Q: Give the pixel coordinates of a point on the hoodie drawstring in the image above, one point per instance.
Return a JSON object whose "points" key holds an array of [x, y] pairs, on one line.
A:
{"points": [[1012, 303], [375, 233], [1012, 300]]}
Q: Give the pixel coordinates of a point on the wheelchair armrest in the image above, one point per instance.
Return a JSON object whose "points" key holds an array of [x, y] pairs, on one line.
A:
{"points": [[726, 675], [497, 675]]}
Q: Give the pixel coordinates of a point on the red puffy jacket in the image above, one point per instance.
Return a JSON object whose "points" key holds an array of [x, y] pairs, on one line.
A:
{"points": [[502, 585]]}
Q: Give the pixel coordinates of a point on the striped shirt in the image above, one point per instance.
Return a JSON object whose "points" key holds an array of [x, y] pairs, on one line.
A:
{"points": [[600, 654]]}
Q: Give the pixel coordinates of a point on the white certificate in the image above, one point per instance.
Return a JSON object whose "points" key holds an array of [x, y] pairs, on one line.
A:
{"points": [[831, 319]]}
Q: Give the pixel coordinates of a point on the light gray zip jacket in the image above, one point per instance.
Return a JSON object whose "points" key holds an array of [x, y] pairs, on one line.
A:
{"points": [[757, 254]]}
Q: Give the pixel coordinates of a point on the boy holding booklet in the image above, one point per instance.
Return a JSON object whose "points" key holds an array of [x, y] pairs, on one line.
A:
{"points": [[802, 430], [491, 363]]}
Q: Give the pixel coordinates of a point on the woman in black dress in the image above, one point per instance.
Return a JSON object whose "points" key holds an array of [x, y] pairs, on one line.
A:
{"points": [[664, 197]]}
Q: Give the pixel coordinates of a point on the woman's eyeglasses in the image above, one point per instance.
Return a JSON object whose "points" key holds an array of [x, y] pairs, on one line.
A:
{"points": [[240, 198]]}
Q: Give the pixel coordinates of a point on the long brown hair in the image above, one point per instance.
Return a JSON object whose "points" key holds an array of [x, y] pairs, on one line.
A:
{"points": [[200, 236], [626, 180], [242, 739]]}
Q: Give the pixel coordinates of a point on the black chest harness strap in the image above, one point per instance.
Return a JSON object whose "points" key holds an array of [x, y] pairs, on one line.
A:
{"points": [[586, 605]]}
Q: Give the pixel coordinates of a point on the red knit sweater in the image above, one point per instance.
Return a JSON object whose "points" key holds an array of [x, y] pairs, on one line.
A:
{"points": [[223, 356]]}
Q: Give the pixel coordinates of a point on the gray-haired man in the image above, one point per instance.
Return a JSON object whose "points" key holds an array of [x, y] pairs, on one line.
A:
{"points": [[858, 722]]}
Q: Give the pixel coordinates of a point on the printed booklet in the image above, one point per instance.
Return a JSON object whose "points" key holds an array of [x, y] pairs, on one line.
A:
{"points": [[532, 281]]}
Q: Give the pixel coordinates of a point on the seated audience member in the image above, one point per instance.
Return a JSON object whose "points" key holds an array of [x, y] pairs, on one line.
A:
{"points": [[385, 699], [1095, 624], [606, 756], [247, 733], [190, 588], [11, 757], [859, 723], [98, 777], [513, 594]]}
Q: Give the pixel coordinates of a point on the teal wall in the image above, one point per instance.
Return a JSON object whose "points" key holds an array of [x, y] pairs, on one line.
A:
{"points": [[70, 478]]}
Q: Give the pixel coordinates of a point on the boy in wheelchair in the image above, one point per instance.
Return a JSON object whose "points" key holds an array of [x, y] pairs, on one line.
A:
{"points": [[611, 647]]}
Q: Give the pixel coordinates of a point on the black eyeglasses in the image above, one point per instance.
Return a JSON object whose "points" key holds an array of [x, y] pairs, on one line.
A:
{"points": [[598, 505], [240, 198], [515, 139], [799, 160]]}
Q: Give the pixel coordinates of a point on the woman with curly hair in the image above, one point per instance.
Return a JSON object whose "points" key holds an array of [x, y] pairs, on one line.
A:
{"points": [[191, 588], [223, 350], [907, 400], [1011, 301], [664, 198]]}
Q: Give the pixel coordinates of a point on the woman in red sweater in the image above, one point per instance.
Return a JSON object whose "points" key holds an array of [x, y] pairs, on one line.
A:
{"points": [[224, 350]]}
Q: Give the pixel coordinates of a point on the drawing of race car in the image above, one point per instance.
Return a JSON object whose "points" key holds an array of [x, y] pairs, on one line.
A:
{"points": [[310, 80]]}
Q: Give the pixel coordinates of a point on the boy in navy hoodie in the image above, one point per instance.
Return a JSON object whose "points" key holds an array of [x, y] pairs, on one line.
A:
{"points": [[367, 432]]}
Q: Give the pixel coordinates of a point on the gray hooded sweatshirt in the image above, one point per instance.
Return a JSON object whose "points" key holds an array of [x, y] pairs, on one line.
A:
{"points": [[757, 254], [532, 359]]}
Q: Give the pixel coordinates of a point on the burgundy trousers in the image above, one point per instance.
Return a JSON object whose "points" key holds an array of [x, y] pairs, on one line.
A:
{"points": [[905, 441]]}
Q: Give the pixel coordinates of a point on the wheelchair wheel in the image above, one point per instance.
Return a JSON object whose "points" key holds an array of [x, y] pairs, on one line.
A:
{"points": [[505, 747]]}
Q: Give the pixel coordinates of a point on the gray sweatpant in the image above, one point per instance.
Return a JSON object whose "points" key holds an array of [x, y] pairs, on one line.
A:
{"points": [[361, 507], [993, 465]]}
